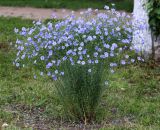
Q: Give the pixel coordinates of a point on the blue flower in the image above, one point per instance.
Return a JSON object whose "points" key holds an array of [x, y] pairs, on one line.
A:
{"points": [[69, 52], [16, 30], [96, 61], [81, 44], [106, 7], [50, 52], [106, 33], [112, 71], [83, 62], [35, 77], [84, 52], [89, 70], [80, 57], [64, 58], [89, 61], [95, 54], [49, 65], [126, 56], [106, 54], [89, 38], [123, 62], [62, 73], [102, 56], [23, 56], [106, 83], [54, 77], [41, 73], [29, 39], [42, 57], [132, 60], [56, 71], [106, 45], [63, 47], [79, 48], [17, 64], [112, 54], [49, 73]]}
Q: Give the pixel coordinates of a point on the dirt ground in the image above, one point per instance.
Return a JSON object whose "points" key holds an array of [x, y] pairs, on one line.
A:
{"points": [[41, 13], [36, 13]]}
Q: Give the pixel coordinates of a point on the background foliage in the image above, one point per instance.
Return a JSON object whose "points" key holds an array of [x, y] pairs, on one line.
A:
{"points": [[126, 5], [154, 16]]}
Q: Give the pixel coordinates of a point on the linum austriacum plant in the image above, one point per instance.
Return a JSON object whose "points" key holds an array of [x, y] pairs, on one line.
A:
{"points": [[78, 54]]}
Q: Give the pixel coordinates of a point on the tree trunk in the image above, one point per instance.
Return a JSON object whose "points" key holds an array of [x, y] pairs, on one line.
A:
{"points": [[142, 38], [157, 49]]}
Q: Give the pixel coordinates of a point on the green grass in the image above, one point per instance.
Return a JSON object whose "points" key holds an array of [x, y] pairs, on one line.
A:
{"points": [[132, 99], [70, 4], [7, 26]]}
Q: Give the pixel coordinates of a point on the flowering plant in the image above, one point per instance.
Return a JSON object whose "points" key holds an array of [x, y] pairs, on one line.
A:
{"points": [[78, 54]]}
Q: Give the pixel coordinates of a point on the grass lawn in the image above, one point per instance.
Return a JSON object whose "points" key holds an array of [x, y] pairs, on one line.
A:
{"points": [[132, 100], [70, 4]]}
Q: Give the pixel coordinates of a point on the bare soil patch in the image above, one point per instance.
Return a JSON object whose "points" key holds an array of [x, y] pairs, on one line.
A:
{"points": [[36, 13], [40, 13], [27, 116]]}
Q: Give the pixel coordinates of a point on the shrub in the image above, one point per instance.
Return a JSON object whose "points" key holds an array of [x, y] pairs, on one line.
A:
{"points": [[153, 7], [78, 54]]}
